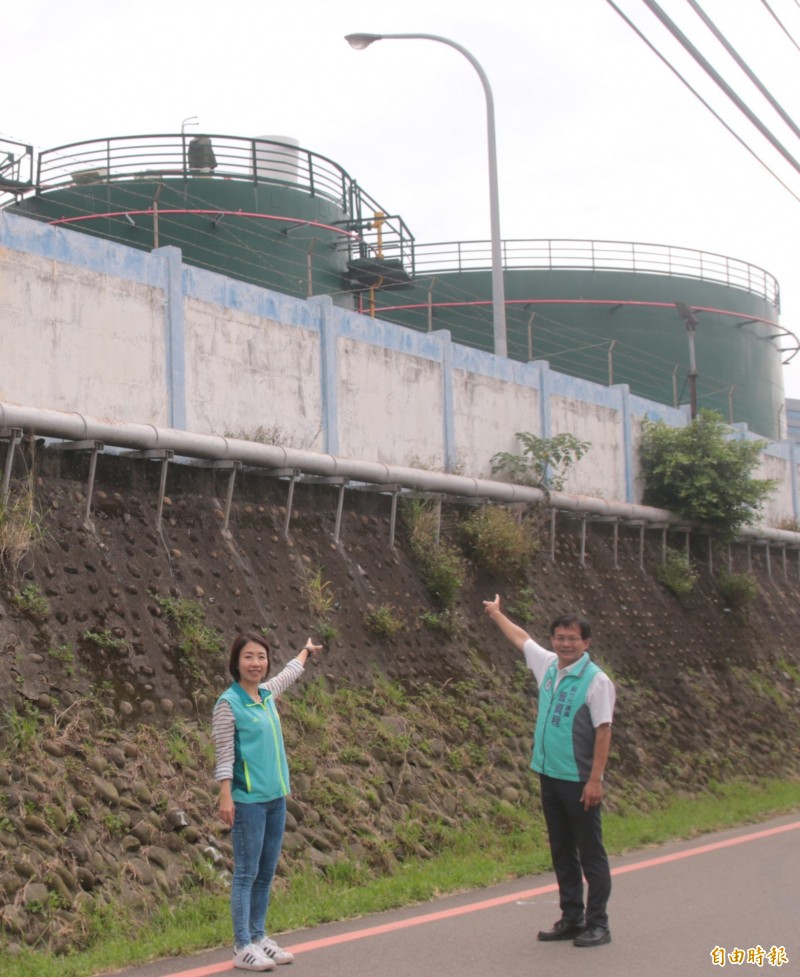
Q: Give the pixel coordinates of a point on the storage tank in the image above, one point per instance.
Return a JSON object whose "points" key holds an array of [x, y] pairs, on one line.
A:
{"points": [[265, 210], [277, 158]]}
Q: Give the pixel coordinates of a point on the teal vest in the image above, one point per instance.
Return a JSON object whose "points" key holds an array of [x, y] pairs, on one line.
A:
{"points": [[260, 771], [563, 745]]}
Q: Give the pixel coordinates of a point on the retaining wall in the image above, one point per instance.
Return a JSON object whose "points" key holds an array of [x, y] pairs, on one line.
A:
{"points": [[110, 331]]}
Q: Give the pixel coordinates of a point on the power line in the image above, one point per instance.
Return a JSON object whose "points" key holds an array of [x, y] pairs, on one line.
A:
{"points": [[715, 76], [700, 98], [778, 22], [743, 65]]}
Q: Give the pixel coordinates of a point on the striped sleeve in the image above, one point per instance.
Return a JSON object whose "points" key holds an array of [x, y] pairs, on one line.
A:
{"points": [[286, 677], [223, 730]]}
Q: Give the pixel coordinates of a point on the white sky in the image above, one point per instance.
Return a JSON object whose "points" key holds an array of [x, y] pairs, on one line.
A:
{"points": [[596, 137]]}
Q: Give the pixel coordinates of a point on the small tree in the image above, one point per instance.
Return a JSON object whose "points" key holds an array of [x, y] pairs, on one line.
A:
{"points": [[544, 462], [701, 474]]}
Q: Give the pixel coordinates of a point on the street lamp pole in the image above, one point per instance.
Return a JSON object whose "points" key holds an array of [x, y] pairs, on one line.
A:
{"points": [[361, 41]]}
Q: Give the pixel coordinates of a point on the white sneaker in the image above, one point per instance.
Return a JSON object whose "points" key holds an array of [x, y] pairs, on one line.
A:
{"points": [[274, 952], [252, 957]]}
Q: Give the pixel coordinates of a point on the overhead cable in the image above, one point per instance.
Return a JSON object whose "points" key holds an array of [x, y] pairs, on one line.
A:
{"points": [[715, 76], [700, 98], [744, 66], [778, 22]]}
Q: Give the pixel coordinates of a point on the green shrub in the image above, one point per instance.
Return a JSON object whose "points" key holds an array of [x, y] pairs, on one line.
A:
{"points": [[498, 543], [737, 589], [441, 565], [700, 473], [383, 622], [544, 462], [444, 574], [677, 573]]}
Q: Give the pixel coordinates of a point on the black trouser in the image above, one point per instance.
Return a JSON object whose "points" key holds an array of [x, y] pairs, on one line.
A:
{"points": [[576, 846]]}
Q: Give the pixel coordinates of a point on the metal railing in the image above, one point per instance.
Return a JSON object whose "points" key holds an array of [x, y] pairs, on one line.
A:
{"points": [[185, 156], [381, 234], [577, 255], [16, 168]]}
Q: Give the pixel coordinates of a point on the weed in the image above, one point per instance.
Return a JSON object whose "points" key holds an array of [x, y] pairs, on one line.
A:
{"points": [[523, 677], [383, 622], [66, 656], [319, 593], [31, 601], [188, 617], [181, 745], [737, 589], [105, 640], [352, 754], [441, 564], [20, 528], [521, 606], [500, 544], [444, 575], [677, 573], [22, 727], [790, 669], [114, 824], [327, 632], [443, 621]]}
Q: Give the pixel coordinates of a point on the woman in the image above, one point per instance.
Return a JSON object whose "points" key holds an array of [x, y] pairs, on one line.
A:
{"points": [[254, 781]]}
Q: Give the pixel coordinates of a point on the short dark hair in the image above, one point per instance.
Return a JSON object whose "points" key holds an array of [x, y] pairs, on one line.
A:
{"points": [[236, 649], [569, 620]]}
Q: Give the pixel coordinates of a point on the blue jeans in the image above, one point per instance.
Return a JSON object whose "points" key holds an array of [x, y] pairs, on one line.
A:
{"points": [[257, 837]]}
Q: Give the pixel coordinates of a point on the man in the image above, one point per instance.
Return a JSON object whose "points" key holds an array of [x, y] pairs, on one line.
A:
{"points": [[570, 750]]}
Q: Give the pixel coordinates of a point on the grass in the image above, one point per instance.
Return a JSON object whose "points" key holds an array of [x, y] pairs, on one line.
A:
{"points": [[383, 621], [499, 543], [319, 593], [32, 602], [197, 638], [510, 844], [20, 528], [677, 573]]}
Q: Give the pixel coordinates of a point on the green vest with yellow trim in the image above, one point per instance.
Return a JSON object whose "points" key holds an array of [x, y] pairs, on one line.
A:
{"points": [[563, 744], [260, 771]]}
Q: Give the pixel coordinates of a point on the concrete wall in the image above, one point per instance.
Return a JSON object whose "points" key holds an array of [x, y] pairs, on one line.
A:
{"points": [[109, 331]]}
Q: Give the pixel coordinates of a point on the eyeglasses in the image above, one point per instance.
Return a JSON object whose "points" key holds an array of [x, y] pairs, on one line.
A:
{"points": [[567, 639]]}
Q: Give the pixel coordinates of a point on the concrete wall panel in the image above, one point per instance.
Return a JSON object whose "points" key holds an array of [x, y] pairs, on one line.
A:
{"points": [[488, 413], [390, 406], [252, 377], [600, 472], [75, 339], [101, 329]]}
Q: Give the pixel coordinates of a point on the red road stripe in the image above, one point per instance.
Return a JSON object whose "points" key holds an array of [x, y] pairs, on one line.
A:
{"points": [[473, 907]]}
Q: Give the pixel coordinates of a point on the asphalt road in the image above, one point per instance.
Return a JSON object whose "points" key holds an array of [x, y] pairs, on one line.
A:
{"points": [[722, 902]]}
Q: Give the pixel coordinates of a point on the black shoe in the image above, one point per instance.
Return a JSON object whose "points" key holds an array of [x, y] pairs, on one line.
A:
{"points": [[562, 930], [593, 936]]}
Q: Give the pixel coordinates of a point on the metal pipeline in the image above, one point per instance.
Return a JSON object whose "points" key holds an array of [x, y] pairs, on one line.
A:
{"points": [[72, 426]]}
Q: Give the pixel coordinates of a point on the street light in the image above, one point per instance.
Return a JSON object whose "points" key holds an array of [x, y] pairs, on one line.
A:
{"points": [[361, 41]]}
